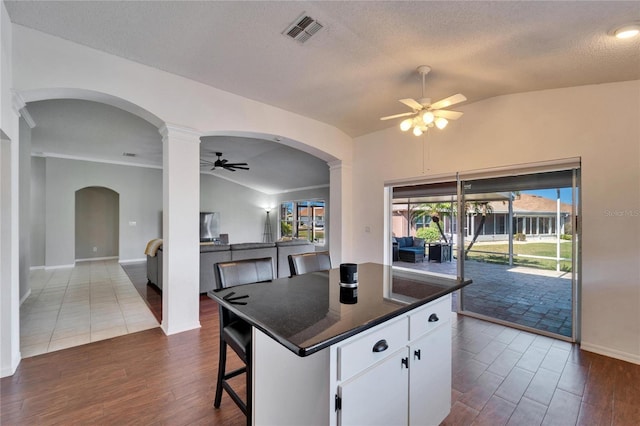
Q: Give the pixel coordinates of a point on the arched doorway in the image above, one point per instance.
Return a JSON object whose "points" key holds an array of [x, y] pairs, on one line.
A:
{"points": [[97, 223]]}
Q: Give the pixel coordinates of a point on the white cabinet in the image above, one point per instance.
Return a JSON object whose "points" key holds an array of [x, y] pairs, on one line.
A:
{"points": [[378, 395], [430, 377], [405, 371]]}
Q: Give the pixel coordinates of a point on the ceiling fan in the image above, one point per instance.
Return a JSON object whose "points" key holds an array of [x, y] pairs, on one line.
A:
{"points": [[223, 163], [426, 114]]}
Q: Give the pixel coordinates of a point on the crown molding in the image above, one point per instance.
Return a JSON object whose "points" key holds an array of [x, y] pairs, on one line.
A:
{"points": [[20, 108]]}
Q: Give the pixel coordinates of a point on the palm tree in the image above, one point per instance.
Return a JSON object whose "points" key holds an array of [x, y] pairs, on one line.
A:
{"points": [[479, 208]]}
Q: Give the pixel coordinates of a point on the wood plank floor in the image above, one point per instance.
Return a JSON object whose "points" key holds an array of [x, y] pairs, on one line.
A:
{"points": [[500, 376]]}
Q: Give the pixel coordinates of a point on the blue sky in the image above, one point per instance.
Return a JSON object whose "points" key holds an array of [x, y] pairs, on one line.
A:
{"points": [[565, 194]]}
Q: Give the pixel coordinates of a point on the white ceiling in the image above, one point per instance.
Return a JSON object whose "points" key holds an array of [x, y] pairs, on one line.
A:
{"points": [[356, 68], [85, 130]]}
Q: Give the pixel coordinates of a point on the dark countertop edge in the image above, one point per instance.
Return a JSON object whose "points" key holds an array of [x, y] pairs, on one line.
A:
{"points": [[306, 351]]}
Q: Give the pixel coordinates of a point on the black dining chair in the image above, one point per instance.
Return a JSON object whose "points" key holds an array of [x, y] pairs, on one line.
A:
{"points": [[309, 262], [234, 331]]}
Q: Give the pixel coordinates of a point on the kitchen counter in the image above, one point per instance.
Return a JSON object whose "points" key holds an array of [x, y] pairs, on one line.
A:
{"points": [[310, 312], [325, 354]]}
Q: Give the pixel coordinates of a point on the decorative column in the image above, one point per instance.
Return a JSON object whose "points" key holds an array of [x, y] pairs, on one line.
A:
{"points": [[180, 229], [340, 212]]}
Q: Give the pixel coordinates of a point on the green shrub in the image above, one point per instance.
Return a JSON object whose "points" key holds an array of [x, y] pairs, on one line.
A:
{"points": [[565, 237], [285, 228], [519, 237], [430, 234], [568, 228]]}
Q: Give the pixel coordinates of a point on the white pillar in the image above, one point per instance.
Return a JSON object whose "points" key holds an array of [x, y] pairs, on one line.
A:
{"points": [[340, 212], [180, 229], [10, 248]]}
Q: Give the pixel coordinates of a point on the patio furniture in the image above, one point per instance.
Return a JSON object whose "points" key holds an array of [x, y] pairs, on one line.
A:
{"points": [[440, 252], [411, 249]]}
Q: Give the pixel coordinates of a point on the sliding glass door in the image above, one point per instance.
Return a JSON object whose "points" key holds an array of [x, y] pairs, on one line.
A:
{"points": [[520, 248], [514, 233]]}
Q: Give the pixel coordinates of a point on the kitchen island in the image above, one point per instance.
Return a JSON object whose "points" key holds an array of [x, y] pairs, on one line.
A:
{"points": [[328, 355]]}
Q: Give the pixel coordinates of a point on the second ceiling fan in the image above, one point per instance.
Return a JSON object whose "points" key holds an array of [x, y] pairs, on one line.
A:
{"points": [[223, 163], [426, 114]]}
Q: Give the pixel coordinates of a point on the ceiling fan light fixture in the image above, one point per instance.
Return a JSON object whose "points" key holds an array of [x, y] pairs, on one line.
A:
{"points": [[428, 117], [425, 114], [627, 31], [441, 122], [406, 124]]}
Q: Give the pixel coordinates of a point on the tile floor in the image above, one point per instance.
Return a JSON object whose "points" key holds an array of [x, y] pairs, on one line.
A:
{"points": [[74, 306]]}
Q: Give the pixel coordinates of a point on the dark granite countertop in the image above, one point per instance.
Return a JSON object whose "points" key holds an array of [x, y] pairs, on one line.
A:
{"points": [[307, 313]]}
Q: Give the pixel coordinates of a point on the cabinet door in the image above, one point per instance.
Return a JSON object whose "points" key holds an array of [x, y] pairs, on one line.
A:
{"points": [[378, 395], [430, 377]]}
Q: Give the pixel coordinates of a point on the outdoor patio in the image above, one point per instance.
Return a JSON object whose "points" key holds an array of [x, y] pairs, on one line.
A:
{"points": [[535, 298]]}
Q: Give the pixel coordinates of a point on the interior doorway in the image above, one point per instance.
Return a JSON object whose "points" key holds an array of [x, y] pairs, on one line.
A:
{"points": [[97, 223]]}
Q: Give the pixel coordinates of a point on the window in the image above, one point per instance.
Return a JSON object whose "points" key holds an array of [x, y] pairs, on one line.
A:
{"points": [[303, 219]]}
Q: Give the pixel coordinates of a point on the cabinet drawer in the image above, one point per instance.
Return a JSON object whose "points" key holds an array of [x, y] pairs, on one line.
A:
{"points": [[429, 317], [374, 346]]}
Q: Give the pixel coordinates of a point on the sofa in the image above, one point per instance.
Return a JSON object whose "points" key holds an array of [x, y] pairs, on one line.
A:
{"points": [[210, 254], [410, 249]]}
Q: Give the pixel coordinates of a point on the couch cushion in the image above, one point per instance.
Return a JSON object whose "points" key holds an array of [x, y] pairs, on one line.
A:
{"points": [[413, 249], [206, 248], [418, 242]]}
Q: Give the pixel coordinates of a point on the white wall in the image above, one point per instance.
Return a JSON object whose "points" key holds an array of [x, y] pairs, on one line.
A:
{"points": [[598, 123], [38, 212], [9, 207], [25, 207], [47, 67], [241, 209], [48, 62], [140, 190]]}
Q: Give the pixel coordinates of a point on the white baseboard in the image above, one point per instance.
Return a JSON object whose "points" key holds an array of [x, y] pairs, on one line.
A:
{"points": [[35, 268], [124, 262], [25, 297], [612, 353], [49, 268], [9, 370], [91, 259]]}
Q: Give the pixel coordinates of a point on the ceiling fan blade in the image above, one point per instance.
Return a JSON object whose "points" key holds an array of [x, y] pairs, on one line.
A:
{"points": [[235, 164], [412, 103], [449, 115], [205, 162], [447, 102], [241, 167], [404, 114]]}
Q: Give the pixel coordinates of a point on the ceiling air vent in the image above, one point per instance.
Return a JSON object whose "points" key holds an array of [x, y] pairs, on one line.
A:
{"points": [[303, 28], [128, 154]]}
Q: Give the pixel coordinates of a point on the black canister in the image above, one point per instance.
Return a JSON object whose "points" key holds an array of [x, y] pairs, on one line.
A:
{"points": [[348, 275]]}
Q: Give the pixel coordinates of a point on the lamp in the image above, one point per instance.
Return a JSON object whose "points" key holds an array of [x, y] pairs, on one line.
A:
{"points": [[267, 236]]}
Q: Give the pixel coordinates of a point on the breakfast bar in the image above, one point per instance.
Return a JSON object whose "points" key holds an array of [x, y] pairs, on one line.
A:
{"points": [[379, 353]]}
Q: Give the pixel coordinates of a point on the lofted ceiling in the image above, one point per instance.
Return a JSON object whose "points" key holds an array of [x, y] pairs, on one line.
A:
{"points": [[364, 59]]}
